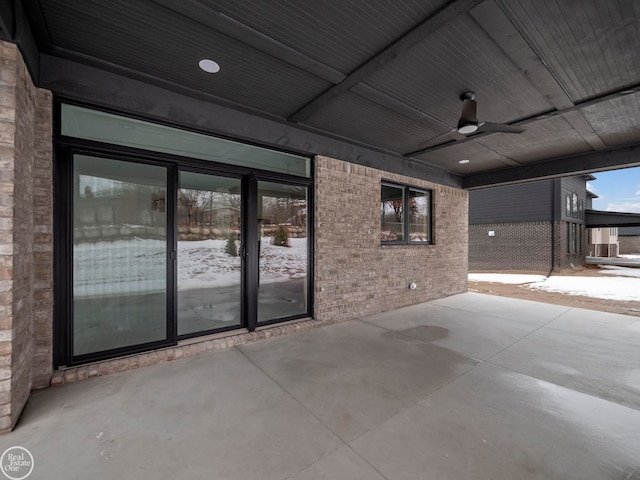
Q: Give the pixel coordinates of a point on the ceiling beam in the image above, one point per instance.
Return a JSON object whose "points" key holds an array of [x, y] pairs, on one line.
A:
{"points": [[380, 98], [503, 27], [501, 156], [534, 118], [164, 103], [508, 38], [491, 18], [581, 125], [414, 36], [387, 101], [622, 157], [204, 15]]}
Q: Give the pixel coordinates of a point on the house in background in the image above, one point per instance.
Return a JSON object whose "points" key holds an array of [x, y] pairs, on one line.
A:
{"points": [[530, 226], [611, 234], [604, 242]]}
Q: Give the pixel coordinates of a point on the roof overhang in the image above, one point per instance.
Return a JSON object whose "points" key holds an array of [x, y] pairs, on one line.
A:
{"points": [[599, 218], [381, 91]]}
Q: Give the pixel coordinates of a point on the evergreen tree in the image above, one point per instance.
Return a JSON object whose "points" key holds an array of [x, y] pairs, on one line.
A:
{"points": [[230, 248], [281, 237]]}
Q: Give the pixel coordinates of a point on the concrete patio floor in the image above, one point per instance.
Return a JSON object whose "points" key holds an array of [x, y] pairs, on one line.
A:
{"points": [[465, 387]]}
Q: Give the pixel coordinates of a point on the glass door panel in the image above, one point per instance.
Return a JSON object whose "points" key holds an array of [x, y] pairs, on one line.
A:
{"points": [[209, 261], [119, 254], [282, 235]]}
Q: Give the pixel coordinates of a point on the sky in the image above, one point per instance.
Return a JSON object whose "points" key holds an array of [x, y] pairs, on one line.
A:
{"points": [[618, 190]]}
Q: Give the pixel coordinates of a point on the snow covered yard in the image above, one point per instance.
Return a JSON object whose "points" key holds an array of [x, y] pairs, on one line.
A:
{"points": [[204, 264], [138, 265], [616, 283]]}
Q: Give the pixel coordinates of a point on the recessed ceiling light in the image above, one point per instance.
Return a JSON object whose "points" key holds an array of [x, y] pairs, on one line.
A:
{"points": [[464, 161], [209, 66]]}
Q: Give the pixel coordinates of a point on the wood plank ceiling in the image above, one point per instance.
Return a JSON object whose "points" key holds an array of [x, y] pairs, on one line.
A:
{"points": [[387, 75]]}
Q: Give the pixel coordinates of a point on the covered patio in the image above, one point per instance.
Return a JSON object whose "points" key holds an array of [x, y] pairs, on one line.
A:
{"points": [[469, 386], [130, 132]]}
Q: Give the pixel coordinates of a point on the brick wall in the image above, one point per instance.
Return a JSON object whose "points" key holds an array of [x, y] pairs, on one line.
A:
{"points": [[515, 246], [629, 244], [522, 246], [354, 274], [43, 241], [25, 254]]}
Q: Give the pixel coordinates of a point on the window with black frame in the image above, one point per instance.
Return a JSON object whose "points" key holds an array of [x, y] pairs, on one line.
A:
{"points": [[166, 234], [405, 215]]}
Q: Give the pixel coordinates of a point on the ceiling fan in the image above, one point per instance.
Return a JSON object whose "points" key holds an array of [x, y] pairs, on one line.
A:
{"points": [[468, 123], [468, 126]]}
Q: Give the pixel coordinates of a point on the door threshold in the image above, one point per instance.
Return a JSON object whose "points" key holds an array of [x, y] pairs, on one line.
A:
{"points": [[283, 324], [212, 336]]}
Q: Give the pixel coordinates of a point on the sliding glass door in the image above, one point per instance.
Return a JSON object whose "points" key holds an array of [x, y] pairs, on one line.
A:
{"points": [[283, 257], [119, 251], [209, 261], [158, 251]]}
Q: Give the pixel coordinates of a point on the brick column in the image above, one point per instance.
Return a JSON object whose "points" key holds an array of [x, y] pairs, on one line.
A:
{"points": [[42, 242], [25, 179]]}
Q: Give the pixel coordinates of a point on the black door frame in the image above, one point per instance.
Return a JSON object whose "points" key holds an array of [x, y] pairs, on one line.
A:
{"points": [[67, 147], [275, 178], [243, 229], [63, 266]]}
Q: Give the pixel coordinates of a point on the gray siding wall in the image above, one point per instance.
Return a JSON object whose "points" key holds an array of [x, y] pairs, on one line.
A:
{"points": [[568, 185], [521, 217], [525, 202]]}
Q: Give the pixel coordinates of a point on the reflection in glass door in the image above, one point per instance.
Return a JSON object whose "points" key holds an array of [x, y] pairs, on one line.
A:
{"points": [[119, 254], [209, 261], [283, 234], [132, 218]]}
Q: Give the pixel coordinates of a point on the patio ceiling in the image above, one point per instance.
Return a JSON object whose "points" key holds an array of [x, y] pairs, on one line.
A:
{"points": [[382, 75]]}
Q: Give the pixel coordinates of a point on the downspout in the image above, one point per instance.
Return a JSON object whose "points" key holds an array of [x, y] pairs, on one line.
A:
{"points": [[553, 226]]}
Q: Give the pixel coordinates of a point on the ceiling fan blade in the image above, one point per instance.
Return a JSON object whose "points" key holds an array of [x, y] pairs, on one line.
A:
{"points": [[450, 135], [441, 139], [489, 127]]}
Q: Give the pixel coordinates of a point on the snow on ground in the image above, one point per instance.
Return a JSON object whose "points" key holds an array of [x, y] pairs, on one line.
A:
{"points": [[203, 264], [621, 271], [282, 263], [122, 266], [138, 265], [505, 278], [610, 288]]}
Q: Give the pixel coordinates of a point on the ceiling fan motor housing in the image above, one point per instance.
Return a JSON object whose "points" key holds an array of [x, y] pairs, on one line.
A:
{"points": [[468, 122]]}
